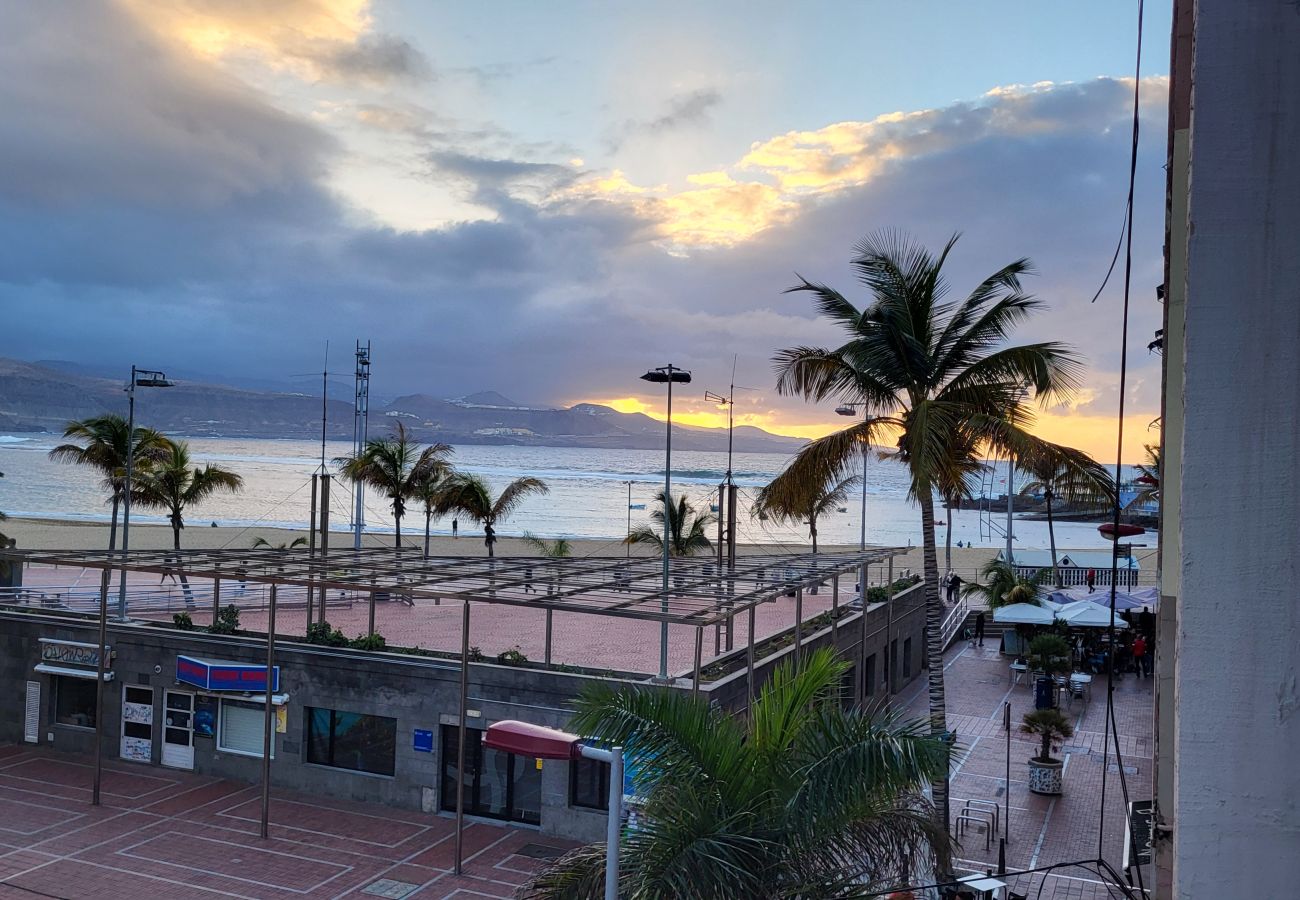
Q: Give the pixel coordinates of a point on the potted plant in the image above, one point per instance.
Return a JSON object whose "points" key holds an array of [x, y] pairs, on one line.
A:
{"points": [[1049, 654], [1051, 728]]}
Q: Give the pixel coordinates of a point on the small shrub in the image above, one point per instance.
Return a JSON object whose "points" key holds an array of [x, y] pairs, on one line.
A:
{"points": [[476, 655], [183, 621], [512, 657], [1051, 728], [321, 633], [227, 621], [368, 642]]}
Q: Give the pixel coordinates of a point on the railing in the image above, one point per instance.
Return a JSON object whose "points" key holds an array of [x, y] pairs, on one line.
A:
{"points": [[953, 622], [146, 601]]}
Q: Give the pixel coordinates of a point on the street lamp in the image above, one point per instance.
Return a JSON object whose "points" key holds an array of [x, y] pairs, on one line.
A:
{"points": [[851, 409], [539, 742], [139, 378], [666, 375]]}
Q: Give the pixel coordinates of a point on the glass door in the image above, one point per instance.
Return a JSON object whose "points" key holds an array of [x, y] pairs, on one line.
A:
{"points": [[497, 785], [137, 724], [178, 730]]}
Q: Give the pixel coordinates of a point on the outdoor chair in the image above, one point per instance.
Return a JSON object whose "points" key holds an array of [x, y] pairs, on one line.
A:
{"points": [[1077, 693]]}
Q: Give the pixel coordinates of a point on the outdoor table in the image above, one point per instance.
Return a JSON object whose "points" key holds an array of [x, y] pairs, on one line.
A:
{"points": [[1083, 679], [1017, 669], [986, 885]]}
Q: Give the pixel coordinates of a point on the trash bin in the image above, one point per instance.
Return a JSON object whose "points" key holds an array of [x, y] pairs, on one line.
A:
{"points": [[1044, 694]]}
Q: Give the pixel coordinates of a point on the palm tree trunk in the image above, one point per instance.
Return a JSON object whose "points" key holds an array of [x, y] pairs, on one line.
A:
{"points": [[428, 516], [112, 529], [812, 529], [934, 646], [1051, 539], [947, 545], [397, 531], [176, 544]]}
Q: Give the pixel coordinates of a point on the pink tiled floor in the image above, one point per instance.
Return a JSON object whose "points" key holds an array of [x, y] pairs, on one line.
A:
{"points": [[170, 834]]}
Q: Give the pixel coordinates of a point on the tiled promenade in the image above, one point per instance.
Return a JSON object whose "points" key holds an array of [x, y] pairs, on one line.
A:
{"points": [[162, 833], [1043, 830]]}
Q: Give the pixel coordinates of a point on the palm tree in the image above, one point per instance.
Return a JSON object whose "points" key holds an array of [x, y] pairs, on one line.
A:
{"points": [[802, 798], [938, 373], [1072, 476], [556, 549], [105, 447], [686, 528], [1150, 478], [428, 488], [471, 496], [1003, 585], [395, 465], [170, 483], [283, 545], [788, 498]]}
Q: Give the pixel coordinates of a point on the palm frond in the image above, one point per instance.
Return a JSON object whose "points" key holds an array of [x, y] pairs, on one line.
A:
{"points": [[515, 493]]}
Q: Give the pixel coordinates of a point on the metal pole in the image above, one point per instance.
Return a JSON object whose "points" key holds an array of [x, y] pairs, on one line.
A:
{"points": [[862, 646], [311, 546], [324, 533], [732, 492], [268, 728], [668, 499], [798, 622], [216, 599], [615, 824], [460, 739], [699, 658], [1006, 818], [100, 668], [749, 659], [889, 629], [835, 606], [1011, 490], [549, 614], [628, 544], [126, 498], [862, 535]]}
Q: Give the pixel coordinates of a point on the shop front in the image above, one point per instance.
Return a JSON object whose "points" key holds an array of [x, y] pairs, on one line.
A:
{"points": [[64, 697], [221, 701]]}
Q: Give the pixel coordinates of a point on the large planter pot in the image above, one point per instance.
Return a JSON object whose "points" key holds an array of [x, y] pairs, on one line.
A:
{"points": [[1045, 777]]}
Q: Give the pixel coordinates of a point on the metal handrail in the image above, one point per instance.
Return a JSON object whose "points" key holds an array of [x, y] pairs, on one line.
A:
{"points": [[953, 622]]}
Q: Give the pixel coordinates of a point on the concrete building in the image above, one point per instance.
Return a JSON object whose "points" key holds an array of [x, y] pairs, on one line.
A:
{"points": [[1228, 714]]}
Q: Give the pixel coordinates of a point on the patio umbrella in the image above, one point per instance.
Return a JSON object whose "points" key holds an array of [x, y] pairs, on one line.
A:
{"points": [[1086, 614], [1101, 597], [1023, 614]]}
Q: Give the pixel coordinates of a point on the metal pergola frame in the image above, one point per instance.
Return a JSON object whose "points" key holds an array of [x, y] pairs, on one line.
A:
{"points": [[702, 593]]}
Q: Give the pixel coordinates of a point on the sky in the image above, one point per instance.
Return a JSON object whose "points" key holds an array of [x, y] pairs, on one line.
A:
{"points": [[548, 199]]}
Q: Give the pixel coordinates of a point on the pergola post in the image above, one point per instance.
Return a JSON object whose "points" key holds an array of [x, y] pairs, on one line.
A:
{"points": [[749, 659], [798, 622], [268, 729], [100, 668], [699, 653], [835, 607], [324, 536], [460, 738], [216, 600], [862, 647], [311, 549], [549, 614]]}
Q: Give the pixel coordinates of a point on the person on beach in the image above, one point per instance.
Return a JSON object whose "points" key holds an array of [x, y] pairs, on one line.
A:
{"points": [[489, 536], [979, 628], [1091, 579], [455, 529]]}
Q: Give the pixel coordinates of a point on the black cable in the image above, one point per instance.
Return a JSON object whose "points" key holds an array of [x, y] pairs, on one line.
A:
{"points": [[1111, 730]]}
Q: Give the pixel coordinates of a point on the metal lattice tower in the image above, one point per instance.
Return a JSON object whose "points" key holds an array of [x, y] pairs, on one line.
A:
{"points": [[360, 435]]}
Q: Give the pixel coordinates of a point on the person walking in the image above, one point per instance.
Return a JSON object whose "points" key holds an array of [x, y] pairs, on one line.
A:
{"points": [[1091, 579], [979, 628], [954, 586], [489, 536], [1141, 659], [455, 529]]}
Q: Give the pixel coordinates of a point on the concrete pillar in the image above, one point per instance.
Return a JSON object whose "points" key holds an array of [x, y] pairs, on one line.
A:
{"points": [[1237, 669]]}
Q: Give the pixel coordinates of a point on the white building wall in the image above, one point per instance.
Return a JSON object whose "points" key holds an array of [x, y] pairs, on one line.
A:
{"points": [[1237, 724]]}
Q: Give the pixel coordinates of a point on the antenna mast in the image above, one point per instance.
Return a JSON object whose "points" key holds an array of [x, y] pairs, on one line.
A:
{"points": [[360, 436]]}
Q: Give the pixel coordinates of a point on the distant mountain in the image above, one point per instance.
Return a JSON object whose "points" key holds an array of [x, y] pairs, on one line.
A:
{"points": [[44, 398]]}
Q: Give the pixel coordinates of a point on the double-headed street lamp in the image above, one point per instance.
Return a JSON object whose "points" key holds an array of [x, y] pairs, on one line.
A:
{"points": [[667, 375], [851, 409]]}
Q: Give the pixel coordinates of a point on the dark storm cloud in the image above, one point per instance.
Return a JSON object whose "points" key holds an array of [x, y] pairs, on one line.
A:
{"points": [[151, 210]]}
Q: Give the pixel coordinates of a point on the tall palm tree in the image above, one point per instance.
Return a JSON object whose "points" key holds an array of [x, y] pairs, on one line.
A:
{"points": [[1149, 479], [1070, 475], [395, 465], [428, 488], [687, 528], [1003, 585], [790, 498], [938, 373], [105, 447], [472, 496], [174, 484], [802, 798]]}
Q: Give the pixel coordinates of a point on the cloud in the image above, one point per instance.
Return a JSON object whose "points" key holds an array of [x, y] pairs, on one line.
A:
{"points": [[374, 58], [153, 208], [691, 109]]}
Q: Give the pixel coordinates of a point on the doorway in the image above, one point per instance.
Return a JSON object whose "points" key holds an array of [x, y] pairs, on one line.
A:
{"points": [[497, 785], [178, 730], [137, 724]]}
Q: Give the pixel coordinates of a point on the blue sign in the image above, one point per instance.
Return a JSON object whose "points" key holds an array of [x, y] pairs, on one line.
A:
{"points": [[218, 675], [423, 740]]}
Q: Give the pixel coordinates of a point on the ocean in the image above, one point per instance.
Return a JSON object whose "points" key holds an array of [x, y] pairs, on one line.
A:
{"points": [[588, 496]]}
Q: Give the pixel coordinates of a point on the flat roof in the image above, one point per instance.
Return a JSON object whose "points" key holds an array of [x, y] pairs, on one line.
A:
{"points": [[700, 592]]}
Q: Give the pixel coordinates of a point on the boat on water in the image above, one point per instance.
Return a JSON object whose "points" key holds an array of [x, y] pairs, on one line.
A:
{"points": [[636, 506]]}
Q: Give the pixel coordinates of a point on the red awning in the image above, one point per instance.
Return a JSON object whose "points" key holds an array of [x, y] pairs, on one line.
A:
{"points": [[527, 739], [1108, 531]]}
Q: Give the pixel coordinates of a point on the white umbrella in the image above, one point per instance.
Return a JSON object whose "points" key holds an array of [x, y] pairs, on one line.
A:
{"points": [[1086, 614], [1023, 614]]}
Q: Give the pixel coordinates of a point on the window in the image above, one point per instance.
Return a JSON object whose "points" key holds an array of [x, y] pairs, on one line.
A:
{"points": [[907, 658], [74, 701], [589, 784], [242, 727], [497, 785], [847, 681], [353, 741], [870, 673]]}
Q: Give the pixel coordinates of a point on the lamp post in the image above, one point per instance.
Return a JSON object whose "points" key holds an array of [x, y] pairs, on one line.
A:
{"points": [[139, 378], [851, 409], [666, 375]]}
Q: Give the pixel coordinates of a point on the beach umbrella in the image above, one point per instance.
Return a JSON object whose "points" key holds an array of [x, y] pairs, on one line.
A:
{"points": [[1086, 614], [1123, 599], [1023, 614]]}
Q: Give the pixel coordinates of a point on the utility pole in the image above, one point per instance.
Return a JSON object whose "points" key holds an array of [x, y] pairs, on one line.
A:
{"points": [[360, 436]]}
